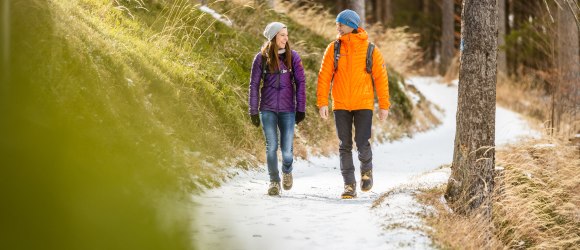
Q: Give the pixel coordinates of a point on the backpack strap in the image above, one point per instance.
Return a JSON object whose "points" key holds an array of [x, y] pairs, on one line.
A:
{"points": [[279, 72], [264, 68], [369, 66], [336, 54], [336, 57], [370, 58]]}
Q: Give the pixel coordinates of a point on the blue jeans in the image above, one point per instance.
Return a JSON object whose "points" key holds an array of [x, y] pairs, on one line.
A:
{"points": [[271, 123]]}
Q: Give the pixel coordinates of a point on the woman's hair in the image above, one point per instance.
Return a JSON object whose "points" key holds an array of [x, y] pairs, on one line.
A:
{"points": [[270, 52]]}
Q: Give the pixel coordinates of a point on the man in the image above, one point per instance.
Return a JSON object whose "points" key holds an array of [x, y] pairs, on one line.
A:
{"points": [[353, 97]]}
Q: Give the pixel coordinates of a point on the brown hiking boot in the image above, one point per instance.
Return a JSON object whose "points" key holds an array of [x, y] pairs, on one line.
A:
{"points": [[274, 188], [287, 181], [349, 191], [366, 182]]}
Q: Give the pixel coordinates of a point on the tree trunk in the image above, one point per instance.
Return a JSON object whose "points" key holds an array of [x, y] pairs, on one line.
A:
{"points": [[429, 32], [388, 17], [342, 5], [447, 36], [359, 7], [384, 10], [471, 183], [568, 64], [501, 56], [372, 9], [379, 11]]}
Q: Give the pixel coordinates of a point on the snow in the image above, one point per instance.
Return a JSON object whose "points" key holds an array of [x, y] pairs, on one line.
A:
{"points": [[240, 215], [216, 15]]}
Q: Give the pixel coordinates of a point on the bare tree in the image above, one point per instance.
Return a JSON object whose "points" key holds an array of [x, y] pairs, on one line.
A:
{"points": [[568, 63], [383, 10], [447, 37], [388, 10], [359, 7], [471, 182], [342, 5], [501, 56], [379, 11]]}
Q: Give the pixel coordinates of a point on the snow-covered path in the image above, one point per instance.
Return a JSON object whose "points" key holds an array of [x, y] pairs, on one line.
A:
{"points": [[239, 215]]}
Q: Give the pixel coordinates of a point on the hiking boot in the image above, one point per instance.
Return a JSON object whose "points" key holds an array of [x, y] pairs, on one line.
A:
{"points": [[349, 191], [366, 182], [287, 181], [274, 188]]}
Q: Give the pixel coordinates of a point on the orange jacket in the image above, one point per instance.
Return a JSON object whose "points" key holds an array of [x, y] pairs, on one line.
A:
{"points": [[353, 88]]}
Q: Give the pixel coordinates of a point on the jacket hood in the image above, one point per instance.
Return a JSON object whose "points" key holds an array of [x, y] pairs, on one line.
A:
{"points": [[360, 36]]}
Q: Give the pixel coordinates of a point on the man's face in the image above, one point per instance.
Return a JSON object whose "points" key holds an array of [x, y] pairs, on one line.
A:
{"points": [[343, 29]]}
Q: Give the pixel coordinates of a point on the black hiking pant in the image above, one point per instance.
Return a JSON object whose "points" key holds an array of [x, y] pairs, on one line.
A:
{"points": [[362, 120]]}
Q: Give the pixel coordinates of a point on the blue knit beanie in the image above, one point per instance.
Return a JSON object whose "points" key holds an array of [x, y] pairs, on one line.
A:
{"points": [[348, 18]]}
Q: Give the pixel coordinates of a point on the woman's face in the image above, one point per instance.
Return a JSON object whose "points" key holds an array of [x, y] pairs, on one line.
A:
{"points": [[282, 38], [343, 29]]}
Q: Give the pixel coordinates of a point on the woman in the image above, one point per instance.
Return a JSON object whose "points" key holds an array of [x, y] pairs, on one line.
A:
{"points": [[280, 102]]}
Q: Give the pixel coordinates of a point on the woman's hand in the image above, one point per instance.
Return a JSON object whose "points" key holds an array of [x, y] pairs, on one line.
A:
{"points": [[300, 117], [255, 120]]}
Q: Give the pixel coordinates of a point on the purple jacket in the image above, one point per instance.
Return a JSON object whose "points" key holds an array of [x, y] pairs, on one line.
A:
{"points": [[278, 97]]}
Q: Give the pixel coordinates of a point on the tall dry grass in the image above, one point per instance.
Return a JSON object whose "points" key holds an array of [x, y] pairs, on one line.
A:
{"points": [[400, 47], [531, 95], [523, 97], [536, 202]]}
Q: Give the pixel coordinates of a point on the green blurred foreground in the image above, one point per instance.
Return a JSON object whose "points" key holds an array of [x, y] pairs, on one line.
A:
{"points": [[75, 172]]}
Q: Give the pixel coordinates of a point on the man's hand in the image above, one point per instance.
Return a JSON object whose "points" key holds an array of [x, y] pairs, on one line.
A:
{"points": [[383, 114], [323, 111]]}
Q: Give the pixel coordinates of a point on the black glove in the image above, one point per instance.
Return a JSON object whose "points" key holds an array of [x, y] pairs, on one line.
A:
{"points": [[255, 120], [300, 117]]}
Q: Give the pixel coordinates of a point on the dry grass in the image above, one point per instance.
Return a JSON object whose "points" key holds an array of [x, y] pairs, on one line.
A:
{"points": [[537, 202], [525, 99], [451, 231], [400, 48], [538, 205], [529, 95]]}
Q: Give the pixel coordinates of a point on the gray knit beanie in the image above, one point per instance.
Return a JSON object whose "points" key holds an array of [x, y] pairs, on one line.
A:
{"points": [[272, 29]]}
